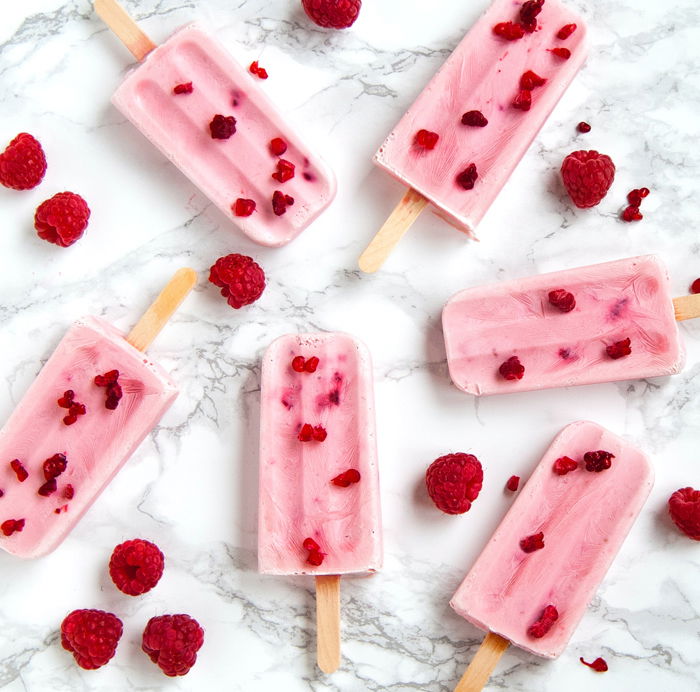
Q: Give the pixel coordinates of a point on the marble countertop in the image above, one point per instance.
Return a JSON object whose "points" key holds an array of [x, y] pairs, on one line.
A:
{"points": [[191, 487]]}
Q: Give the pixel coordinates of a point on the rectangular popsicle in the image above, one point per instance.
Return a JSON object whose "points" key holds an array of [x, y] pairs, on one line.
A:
{"points": [[95, 446], [485, 328], [584, 517], [243, 165], [298, 499]]}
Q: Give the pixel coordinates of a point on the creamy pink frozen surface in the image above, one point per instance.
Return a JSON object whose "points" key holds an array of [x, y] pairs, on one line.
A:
{"points": [[297, 498], [96, 446], [628, 298], [584, 516], [483, 73], [224, 169]]}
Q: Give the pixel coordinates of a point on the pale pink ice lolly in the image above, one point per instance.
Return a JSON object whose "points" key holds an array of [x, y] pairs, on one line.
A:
{"points": [[625, 299], [297, 498], [241, 166], [584, 516], [95, 446]]}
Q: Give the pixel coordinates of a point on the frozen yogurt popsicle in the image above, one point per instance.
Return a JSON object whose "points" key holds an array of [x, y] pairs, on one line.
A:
{"points": [[534, 579], [206, 114], [319, 487], [601, 323], [459, 142], [92, 404]]}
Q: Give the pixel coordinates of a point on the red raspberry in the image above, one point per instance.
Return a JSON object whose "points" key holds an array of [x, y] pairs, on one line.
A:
{"points": [[316, 555], [311, 364], [280, 202], [9, 526], [564, 300], [172, 642], [512, 369], [48, 488], [513, 483], [598, 461], [222, 126], [241, 279], [540, 627], [243, 207], [467, 178], [531, 80], [523, 100], [454, 482], [684, 508], [425, 139], [583, 127], [563, 53], [346, 478], [587, 176], [695, 286], [259, 72], [306, 434], [632, 213], [284, 172], [332, 14], [185, 88], [531, 543], [599, 665], [136, 566], [619, 349], [509, 30], [566, 31], [22, 164], [474, 119], [18, 467], [62, 219], [563, 465], [278, 146], [529, 12], [320, 433], [91, 636], [54, 466]]}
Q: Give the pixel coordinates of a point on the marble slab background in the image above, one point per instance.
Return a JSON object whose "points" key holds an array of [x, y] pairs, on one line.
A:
{"points": [[191, 487]]}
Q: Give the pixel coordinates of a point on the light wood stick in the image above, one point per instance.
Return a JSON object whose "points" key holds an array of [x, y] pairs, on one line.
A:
{"points": [[328, 622], [126, 29], [687, 307], [483, 663], [400, 220], [162, 308]]}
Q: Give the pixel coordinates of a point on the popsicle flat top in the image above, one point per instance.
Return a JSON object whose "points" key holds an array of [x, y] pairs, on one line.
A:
{"points": [[625, 299], [297, 498], [584, 516], [95, 446], [224, 169], [482, 74]]}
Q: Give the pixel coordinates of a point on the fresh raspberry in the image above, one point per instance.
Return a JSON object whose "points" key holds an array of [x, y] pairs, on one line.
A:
{"points": [[523, 100], [467, 178], [512, 369], [598, 461], [22, 164], [280, 202], [528, 14], [243, 207], [619, 349], [54, 466], [21, 473], [587, 176], [684, 508], [531, 80], [91, 636], [454, 482], [474, 119], [185, 88], [315, 556], [695, 286], [599, 665], [222, 126], [332, 14], [513, 483], [9, 526], [563, 53], [510, 31], [278, 146], [531, 543], [136, 566], [241, 279], [284, 172], [566, 31], [346, 478], [259, 72], [564, 465], [564, 300], [425, 139], [540, 627], [583, 127], [172, 642], [62, 219]]}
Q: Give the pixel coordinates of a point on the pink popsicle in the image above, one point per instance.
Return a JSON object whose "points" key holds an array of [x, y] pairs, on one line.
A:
{"points": [[95, 446], [485, 327], [584, 517], [240, 166]]}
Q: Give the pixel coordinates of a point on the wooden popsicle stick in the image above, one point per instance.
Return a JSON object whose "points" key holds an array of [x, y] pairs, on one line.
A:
{"points": [[400, 220], [162, 308], [328, 622], [483, 663], [687, 307], [126, 29]]}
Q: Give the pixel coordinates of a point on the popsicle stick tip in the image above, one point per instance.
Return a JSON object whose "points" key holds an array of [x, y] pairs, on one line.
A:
{"points": [[687, 307], [328, 622], [485, 660], [124, 27]]}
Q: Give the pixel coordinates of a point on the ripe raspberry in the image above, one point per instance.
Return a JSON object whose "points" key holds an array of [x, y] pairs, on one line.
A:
{"points": [[91, 636], [562, 299], [512, 369], [684, 508], [62, 219], [695, 286], [531, 543], [523, 100], [22, 164], [222, 126], [540, 627], [598, 461], [136, 566], [587, 176], [332, 14], [454, 482], [243, 207], [241, 279], [54, 466], [513, 483], [619, 349], [172, 642]]}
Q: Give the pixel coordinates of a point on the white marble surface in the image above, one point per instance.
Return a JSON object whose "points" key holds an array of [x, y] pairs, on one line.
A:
{"points": [[191, 487]]}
